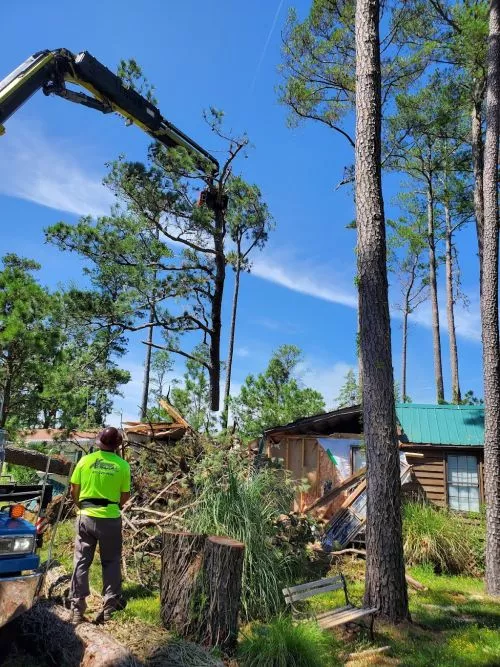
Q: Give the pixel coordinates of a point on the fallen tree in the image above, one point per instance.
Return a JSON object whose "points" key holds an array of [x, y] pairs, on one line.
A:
{"points": [[47, 627], [29, 458]]}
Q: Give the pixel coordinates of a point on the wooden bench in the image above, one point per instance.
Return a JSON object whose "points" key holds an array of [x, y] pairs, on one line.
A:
{"points": [[340, 616]]}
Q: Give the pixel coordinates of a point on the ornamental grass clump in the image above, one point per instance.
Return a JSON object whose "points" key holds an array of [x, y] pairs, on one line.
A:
{"points": [[236, 501], [440, 538], [284, 643]]}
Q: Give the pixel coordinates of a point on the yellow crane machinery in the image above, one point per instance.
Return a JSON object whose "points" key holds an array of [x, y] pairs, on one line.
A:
{"points": [[51, 71]]}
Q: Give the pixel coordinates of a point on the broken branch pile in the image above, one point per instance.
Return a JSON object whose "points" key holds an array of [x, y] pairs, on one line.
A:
{"points": [[172, 430]]}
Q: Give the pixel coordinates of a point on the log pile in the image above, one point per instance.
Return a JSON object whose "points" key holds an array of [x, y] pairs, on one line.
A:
{"points": [[201, 586]]}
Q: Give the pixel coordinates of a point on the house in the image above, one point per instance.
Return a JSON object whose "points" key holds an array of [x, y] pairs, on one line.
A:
{"points": [[442, 443]]}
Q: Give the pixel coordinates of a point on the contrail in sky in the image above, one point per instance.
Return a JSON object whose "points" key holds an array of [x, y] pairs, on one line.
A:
{"points": [[264, 50]]}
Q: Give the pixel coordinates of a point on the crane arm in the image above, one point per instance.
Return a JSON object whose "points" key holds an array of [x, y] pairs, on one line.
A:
{"points": [[50, 71]]}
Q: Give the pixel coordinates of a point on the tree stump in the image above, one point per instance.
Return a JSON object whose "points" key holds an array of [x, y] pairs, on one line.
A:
{"points": [[222, 570], [181, 563], [201, 587]]}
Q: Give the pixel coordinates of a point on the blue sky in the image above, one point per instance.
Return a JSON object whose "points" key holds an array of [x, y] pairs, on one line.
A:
{"points": [[224, 54]]}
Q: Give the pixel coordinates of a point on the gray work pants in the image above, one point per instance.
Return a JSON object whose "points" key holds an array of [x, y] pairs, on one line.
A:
{"points": [[108, 534]]}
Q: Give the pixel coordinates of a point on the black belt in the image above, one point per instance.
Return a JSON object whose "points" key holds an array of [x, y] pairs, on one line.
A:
{"points": [[96, 502]]}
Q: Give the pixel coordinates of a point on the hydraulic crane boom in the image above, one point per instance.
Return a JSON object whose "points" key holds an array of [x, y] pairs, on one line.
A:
{"points": [[51, 70]]}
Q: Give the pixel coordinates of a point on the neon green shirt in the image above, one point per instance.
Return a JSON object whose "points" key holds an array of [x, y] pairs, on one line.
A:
{"points": [[102, 475]]}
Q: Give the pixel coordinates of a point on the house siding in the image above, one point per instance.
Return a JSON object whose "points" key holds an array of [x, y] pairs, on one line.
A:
{"points": [[429, 473]]}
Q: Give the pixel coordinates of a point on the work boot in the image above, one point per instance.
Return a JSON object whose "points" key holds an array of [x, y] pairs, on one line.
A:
{"points": [[77, 617], [103, 616]]}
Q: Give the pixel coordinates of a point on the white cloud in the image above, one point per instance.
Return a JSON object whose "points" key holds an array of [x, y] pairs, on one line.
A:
{"points": [[467, 320], [321, 282], [313, 279], [327, 379], [242, 351], [48, 173]]}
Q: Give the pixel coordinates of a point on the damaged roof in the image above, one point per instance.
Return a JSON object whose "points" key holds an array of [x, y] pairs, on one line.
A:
{"points": [[420, 424]]}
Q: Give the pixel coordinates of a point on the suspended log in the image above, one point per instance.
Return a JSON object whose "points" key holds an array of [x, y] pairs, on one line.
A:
{"points": [[222, 570], [36, 460], [181, 563]]}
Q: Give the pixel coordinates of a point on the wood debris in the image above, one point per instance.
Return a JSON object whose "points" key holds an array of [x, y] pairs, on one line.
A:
{"points": [[165, 431]]}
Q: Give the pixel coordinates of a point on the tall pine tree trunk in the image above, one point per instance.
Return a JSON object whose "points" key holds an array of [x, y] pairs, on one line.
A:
{"points": [[456, 396], [489, 308], [404, 353], [385, 572], [436, 336], [147, 371], [477, 164], [227, 388], [216, 309]]}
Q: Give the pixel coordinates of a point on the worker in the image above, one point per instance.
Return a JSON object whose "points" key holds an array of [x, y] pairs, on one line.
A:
{"points": [[100, 486]]}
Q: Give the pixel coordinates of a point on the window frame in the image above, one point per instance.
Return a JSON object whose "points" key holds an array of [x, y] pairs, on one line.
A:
{"points": [[355, 447], [468, 453]]}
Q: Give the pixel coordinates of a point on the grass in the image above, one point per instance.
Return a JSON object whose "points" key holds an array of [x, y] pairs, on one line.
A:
{"points": [[283, 643], [245, 507], [440, 538], [454, 623]]}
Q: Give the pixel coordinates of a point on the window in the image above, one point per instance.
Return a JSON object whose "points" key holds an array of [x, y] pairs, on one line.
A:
{"points": [[463, 483], [358, 458]]}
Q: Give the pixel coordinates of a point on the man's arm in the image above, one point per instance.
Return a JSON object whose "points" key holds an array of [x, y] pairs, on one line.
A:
{"points": [[75, 493], [124, 497]]}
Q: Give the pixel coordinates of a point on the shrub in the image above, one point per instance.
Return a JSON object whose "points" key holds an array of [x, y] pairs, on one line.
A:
{"points": [[283, 643], [441, 538], [236, 502]]}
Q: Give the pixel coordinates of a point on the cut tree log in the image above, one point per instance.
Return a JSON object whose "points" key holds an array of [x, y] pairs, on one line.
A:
{"points": [[222, 570], [56, 583], [181, 563], [200, 587], [49, 629], [36, 460]]}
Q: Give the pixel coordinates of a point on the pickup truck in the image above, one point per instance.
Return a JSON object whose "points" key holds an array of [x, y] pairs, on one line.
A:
{"points": [[20, 539]]}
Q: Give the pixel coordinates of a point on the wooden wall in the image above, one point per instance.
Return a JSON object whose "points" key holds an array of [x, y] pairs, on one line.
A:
{"points": [[305, 459], [428, 475], [429, 472]]}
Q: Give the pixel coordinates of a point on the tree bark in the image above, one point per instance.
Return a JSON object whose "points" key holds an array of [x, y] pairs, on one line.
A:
{"points": [[436, 335], [489, 308], [32, 459], [227, 388], [181, 564], [200, 587], [222, 571], [385, 573], [220, 275], [477, 165], [456, 396], [404, 353], [6, 393], [147, 371]]}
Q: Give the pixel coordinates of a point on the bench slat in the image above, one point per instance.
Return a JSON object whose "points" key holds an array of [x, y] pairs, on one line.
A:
{"points": [[332, 612], [345, 617], [313, 584], [308, 594]]}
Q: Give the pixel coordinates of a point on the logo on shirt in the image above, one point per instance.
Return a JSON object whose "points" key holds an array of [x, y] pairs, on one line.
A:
{"points": [[102, 467]]}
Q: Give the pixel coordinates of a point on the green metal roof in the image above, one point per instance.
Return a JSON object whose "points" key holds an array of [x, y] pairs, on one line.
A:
{"points": [[441, 424]]}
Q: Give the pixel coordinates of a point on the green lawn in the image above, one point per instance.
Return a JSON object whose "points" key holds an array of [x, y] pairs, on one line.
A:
{"points": [[454, 623]]}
